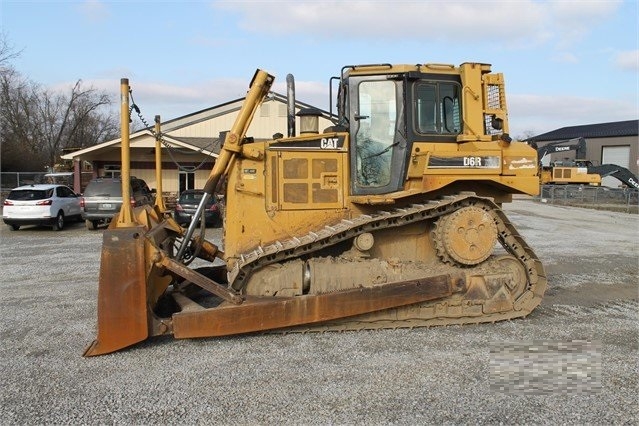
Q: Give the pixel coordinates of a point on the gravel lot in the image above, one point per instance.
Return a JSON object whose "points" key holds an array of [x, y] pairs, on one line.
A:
{"points": [[48, 290]]}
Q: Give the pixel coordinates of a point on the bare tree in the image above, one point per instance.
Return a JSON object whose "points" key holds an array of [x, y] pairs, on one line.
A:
{"points": [[41, 122], [10, 151], [63, 117], [526, 135], [7, 53], [96, 128], [20, 132], [36, 123]]}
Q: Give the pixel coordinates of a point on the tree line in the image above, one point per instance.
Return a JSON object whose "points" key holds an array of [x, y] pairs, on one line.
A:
{"points": [[37, 124]]}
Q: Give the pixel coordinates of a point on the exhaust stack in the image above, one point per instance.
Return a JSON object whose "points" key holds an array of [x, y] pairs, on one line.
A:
{"points": [[290, 104]]}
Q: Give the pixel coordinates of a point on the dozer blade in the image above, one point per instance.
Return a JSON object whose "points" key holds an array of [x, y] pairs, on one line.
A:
{"points": [[122, 304], [268, 313]]}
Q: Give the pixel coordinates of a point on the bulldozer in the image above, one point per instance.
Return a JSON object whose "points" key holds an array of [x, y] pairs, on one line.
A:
{"points": [[390, 217]]}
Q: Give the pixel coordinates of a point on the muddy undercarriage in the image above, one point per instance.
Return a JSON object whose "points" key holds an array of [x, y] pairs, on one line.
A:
{"points": [[449, 247]]}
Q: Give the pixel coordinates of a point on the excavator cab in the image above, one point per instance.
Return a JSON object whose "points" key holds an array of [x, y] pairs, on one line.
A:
{"points": [[389, 218]]}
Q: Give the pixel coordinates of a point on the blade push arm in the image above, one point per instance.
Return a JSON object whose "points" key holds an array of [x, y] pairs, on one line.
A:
{"points": [[259, 88]]}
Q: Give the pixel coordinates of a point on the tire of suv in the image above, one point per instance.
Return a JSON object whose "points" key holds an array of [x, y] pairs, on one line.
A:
{"points": [[14, 227], [91, 225], [59, 222]]}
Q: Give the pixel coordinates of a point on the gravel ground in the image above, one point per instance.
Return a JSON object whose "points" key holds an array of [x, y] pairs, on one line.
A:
{"points": [[48, 290]]}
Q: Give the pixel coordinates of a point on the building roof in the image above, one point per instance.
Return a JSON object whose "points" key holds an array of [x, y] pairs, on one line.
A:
{"points": [[599, 130], [221, 109], [208, 144], [204, 145], [201, 145]]}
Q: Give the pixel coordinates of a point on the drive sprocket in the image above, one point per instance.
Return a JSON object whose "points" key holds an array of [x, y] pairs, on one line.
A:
{"points": [[465, 237]]}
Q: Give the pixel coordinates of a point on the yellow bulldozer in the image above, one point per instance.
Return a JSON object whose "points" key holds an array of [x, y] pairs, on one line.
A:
{"points": [[391, 217]]}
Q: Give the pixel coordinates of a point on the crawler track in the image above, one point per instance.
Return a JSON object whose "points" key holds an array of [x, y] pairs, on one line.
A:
{"points": [[432, 313]]}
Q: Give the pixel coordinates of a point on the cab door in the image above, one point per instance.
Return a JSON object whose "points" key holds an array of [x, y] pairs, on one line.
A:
{"points": [[377, 126]]}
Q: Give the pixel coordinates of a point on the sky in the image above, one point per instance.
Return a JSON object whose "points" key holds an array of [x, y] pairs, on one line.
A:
{"points": [[565, 62]]}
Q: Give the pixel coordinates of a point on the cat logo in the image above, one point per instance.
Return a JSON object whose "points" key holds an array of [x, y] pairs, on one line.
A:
{"points": [[329, 143]]}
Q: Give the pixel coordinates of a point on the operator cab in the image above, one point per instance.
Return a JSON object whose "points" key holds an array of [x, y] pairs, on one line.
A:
{"points": [[386, 113]]}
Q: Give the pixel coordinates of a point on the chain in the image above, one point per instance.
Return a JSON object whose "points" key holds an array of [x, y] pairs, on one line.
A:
{"points": [[160, 137]]}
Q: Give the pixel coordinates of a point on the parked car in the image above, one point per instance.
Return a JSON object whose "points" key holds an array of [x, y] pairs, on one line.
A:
{"points": [[42, 204], [187, 204], [102, 199]]}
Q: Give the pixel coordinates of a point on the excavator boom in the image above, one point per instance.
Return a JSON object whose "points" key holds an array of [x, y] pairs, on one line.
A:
{"points": [[620, 173]]}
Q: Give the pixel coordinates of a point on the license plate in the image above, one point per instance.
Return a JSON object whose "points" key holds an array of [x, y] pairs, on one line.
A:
{"points": [[105, 207]]}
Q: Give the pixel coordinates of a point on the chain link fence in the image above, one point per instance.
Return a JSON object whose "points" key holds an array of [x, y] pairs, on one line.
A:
{"points": [[594, 197], [10, 180]]}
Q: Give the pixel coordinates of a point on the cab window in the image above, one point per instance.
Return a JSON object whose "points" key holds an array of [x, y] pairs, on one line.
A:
{"points": [[437, 108]]}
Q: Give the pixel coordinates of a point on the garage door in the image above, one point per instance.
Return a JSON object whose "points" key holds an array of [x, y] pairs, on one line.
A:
{"points": [[619, 155]]}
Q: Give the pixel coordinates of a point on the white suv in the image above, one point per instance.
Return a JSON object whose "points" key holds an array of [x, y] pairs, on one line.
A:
{"points": [[50, 205]]}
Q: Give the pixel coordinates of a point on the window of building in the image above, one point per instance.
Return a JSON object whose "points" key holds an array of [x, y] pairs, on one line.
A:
{"points": [[187, 180], [112, 170]]}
